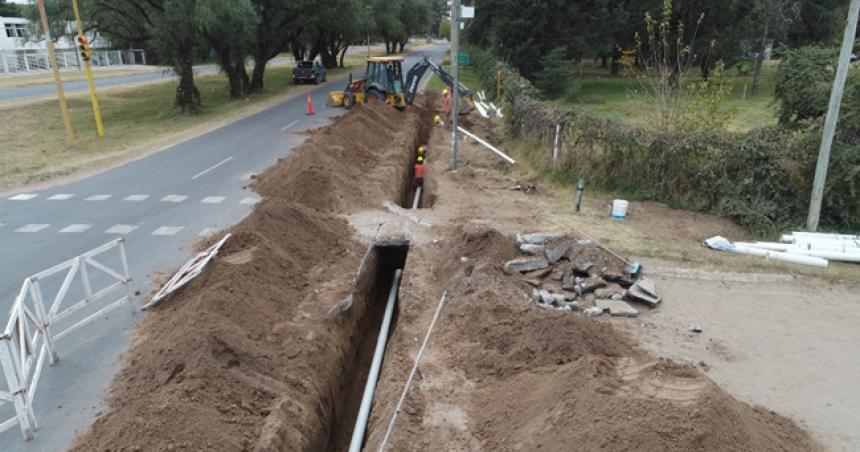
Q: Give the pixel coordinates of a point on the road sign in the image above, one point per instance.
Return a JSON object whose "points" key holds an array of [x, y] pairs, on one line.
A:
{"points": [[463, 58]]}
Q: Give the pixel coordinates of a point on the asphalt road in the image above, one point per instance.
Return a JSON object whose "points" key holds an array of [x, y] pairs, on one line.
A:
{"points": [[159, 205]]}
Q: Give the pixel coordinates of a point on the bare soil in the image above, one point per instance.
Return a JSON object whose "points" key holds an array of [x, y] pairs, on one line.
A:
{"points": [[267, 350]]}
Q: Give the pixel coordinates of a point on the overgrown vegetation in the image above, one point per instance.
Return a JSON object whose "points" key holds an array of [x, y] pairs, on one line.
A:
{"points": [[761, 178]]}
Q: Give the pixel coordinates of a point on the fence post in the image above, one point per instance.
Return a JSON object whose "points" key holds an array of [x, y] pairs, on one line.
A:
{"points": [[5, 64], [555, 144], [127, 275], [44, 324], [143, 56], [16, 388]]}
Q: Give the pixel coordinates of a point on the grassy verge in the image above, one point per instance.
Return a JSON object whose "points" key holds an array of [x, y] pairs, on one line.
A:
{"points": [[467, 77], [616, 98], [137, 119], [21, 80]]}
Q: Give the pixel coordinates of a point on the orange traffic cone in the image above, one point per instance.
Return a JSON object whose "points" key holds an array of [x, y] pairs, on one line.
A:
{"points": [[310, 105]]}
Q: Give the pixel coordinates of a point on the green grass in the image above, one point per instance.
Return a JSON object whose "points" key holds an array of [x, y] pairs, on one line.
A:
{"points": [[136, 118], [468, 77], [621, 99]]}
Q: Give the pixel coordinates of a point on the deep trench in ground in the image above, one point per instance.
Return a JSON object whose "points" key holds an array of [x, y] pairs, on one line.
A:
{"points": [[423, 137], [378, 281]]}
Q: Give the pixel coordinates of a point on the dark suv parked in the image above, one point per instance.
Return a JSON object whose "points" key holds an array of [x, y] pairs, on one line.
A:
{"points": [[308, 71]]}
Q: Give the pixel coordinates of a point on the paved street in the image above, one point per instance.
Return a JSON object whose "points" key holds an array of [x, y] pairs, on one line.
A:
{"points": [[160, 205]]}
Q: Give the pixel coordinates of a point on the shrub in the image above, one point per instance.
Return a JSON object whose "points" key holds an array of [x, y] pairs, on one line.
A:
{"points": [[556, 69]]}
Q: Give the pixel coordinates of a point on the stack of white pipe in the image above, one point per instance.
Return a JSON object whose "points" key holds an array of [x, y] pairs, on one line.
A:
{"points": [[807, 248]]}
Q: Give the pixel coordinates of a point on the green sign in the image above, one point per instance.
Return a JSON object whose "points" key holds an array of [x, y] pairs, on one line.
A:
{"points": [[463, 59]]}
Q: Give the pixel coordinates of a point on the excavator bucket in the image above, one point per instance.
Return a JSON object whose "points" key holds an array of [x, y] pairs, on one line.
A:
{"points": [[335, 99]]}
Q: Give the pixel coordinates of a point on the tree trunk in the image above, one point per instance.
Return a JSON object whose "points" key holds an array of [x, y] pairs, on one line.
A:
{"points": [[257, 75], [603, 62], [403, 44], [387, 47], [187, 96], [234, 78], [343, 54], [615, 67], [705, 68], [760, 57]]}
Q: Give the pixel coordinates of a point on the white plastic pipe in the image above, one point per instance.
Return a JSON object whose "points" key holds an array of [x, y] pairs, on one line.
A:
{"points": [[488, 145], [780, 256], [372, 377], [417, 199]]}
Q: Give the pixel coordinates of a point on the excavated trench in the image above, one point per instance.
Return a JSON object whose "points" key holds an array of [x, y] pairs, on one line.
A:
{"points": [[372, 292]]}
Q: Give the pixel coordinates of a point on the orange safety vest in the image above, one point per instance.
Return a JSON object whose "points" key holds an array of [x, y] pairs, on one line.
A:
{"points": [[419, 171], [446, 103]]}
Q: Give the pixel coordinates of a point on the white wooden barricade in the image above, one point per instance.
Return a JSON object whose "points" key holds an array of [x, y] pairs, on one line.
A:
{"points": [[187, 272], [28, 338]]}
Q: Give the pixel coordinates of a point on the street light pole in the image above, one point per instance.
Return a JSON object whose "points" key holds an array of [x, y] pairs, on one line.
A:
{"points": [[455, 70], [61, 97], [832, 117]]}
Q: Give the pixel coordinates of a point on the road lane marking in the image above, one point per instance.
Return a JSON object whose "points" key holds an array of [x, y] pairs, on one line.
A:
{"points": [[174, 198], [289, 125], [211, 168], [206, 232], [32, 227], [98, 197], [249, 201], [168, 230], [121, 229], [61, 197], [135, 198], [23, 197], [76, 228], [213, 199]]}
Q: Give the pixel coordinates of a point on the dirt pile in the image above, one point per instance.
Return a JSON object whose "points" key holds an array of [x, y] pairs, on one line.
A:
{"points": [[245, 357]]}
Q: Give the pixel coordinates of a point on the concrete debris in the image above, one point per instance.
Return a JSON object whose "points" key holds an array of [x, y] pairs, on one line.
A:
{"points": [[526, 264], [696, 328], [538, 274], [535, 250], [591, 284], [555, 253], [539, 238], [593, 311], [616, 308], [566, 276]]}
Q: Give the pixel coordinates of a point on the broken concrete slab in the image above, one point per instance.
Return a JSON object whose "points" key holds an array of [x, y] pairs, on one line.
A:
{"points": [[593, 311], [538, 274], [636, 293], [533, 282], [535, 250], [648, 285], [616, 308], [621, 279], [610, 290], [525, 264], [538, 238], [554, 252], [568, 282], [581, 268], [548, 297], [592, 283]]}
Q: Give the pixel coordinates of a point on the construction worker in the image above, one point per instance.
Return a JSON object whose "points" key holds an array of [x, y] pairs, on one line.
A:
{"points": [[446, 102], [438, 121], [419, 172], [421, 151]]}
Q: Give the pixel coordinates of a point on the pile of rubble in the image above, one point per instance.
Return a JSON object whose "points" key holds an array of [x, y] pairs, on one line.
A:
{"points": [[574, 274]]}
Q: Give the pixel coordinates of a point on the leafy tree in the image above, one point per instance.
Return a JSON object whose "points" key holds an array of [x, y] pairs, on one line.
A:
{"points": [[775, 16], [10, 9], [804, 79], [279, 24], [555, 72], [228, 26]]}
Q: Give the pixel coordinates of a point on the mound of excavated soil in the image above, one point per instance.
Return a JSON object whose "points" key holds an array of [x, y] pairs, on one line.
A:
{"points": [[245, 357]]}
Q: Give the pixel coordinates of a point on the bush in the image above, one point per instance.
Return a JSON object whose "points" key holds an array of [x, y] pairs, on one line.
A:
{"points": [[804, 79], [555, 71]]}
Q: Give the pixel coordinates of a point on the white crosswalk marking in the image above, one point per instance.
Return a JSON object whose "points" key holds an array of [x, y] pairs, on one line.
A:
{"points": [[206, 232], [98, 197], [249, 201], [135, 197], [23, 197], [213, 199], [167, 230], [173, 198], [76, 228], [32, 227], [61, 197], [121, 229]]}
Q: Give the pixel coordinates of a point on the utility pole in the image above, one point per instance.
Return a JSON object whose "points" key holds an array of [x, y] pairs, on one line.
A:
{"points": [[82, 39], [832, 117], [61, 97], [455, 70]]}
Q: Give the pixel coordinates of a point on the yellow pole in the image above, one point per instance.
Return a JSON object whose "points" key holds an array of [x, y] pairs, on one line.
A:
{"points": [[96, 110], [61, 97], [498, 86]]}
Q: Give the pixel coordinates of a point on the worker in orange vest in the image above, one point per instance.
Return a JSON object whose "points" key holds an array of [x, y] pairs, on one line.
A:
{"points": [[446, 102], [419, 172]]}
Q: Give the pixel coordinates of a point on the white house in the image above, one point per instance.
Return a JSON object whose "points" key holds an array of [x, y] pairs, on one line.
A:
{"points": [[16, 31]]}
